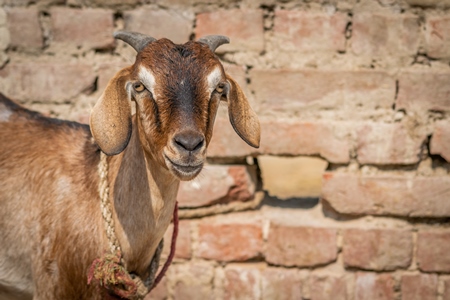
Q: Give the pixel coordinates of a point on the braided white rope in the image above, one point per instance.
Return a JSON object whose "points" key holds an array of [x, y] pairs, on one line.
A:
{"points": [[106, 209], [105, 204]]}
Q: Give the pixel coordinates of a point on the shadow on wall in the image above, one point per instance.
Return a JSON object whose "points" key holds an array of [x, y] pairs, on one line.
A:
{"points": [[302, 203]]}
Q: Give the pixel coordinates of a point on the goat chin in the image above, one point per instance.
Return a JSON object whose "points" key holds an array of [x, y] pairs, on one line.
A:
{"points": [[184, 168]]}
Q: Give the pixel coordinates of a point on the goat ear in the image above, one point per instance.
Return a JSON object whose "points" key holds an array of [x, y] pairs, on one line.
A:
{"points": [[111, 116], [242, 117]]}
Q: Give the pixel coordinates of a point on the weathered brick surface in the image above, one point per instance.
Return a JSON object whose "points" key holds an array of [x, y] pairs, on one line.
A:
{"points": [[281, 284], [103, 3], [327, 139], [438, 36], [230, 241], [374, 286], [25, 28], [306, 31], [244, 27], [160, 292], [377, 34], [377, 249], [5, 37], [192, 281], [380, 143], [57, 82], [183, 248], [300, 246], [432, 250], [355, 87], [226, 143], [422, 91], [106, 71], [440, 141], [446, 292], [281, 91], [289, 177], [219, 184], [90, 28], [177, 25], [419, 286], [328, 286], [242, 281], [387, 195]]}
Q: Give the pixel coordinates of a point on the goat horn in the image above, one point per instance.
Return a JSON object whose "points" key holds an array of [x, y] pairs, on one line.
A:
{"points": [[136, 40], [214, 41]]}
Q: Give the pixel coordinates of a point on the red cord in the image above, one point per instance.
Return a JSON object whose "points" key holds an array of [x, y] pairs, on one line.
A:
{"points": [[172, 248]]}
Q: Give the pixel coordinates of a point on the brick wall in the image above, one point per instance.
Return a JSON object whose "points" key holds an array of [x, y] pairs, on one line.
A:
{"points": [[354, 102]]}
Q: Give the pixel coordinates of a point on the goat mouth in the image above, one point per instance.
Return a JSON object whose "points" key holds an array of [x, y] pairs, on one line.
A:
{"points": [[184, 171]]}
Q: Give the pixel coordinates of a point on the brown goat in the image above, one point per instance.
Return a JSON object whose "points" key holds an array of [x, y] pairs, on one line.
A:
{"points": [[51, 226]]}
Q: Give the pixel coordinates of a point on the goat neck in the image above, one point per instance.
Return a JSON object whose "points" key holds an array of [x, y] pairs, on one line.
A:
{"points": [[143, 194]]}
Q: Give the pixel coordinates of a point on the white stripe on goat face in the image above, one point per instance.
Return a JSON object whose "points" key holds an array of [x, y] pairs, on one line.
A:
{"points": [[148, 79], [213, 79]]}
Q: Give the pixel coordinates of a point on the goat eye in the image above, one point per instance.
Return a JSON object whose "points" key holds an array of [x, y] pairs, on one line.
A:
{"points": [[138, 87], [220, 88]]}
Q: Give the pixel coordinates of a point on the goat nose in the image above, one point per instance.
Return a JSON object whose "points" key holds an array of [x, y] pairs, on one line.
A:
{"points": [[189, 141]]}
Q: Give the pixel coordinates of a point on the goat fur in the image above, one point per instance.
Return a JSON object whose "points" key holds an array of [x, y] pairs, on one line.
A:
{"points": [[51, 228]]}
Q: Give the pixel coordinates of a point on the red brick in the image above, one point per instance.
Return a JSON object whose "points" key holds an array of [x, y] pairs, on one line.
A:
{"points": [[218, 184], [106, 72], [327, 139], [5, 37], [25, 28], [437, 36], [183, 248], [160, 292], [374, 286], [377, 34], [281, 91], [377, 249], [192, 281], [422, 91], [89, 28], [328, 286], [300, 246], [242, 282], [281, 284], [177, 26], [45, 82], [17, 3], [190, 3], [226, 143], [440, 141], [306, 31], [238, 73], [432, 250], [104, 3], [380, 143], [244, 27], [229, 242], [387, 195], [419, 287], [446, 293]]}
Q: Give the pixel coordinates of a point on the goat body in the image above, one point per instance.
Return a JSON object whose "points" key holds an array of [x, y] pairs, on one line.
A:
{"points": [[51, 227]]}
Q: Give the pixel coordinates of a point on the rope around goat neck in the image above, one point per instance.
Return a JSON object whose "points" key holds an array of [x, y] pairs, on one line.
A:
{"points": [[106, 204], [110, 270]]}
